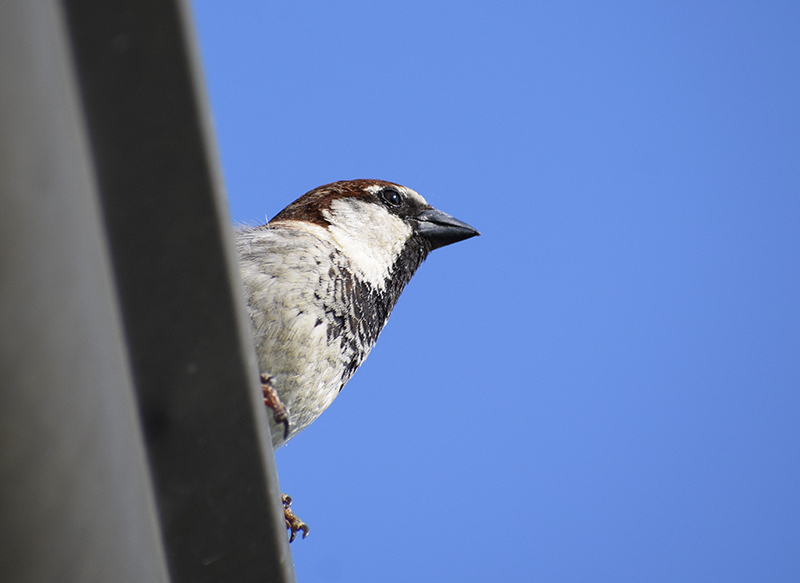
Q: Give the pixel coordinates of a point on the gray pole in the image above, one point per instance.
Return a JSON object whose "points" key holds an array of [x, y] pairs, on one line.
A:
{"points": [[180, 293], [75, 497], [132, 435]]}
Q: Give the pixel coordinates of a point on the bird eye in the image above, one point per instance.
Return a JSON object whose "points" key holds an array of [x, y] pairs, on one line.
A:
{"points": [[391, 196]]}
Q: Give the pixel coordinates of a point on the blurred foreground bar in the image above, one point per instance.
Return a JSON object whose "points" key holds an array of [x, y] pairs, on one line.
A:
{"points": [[132, 436], [76, 500]]}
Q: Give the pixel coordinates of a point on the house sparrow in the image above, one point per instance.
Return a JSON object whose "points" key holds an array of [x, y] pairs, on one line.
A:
{"points": [[321, 279]]}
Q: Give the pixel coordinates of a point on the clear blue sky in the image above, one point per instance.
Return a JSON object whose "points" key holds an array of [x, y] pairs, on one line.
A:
{"points": [[605, 386]]}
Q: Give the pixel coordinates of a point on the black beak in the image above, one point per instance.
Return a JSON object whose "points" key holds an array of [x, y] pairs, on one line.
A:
{"points": [[441, 229]]}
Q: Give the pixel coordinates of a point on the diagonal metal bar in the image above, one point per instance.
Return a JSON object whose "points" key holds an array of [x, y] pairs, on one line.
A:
{"points": [[170, 244], [75, 491]]}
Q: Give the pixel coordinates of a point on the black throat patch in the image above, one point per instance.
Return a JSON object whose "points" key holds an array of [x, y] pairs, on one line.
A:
{"points": [[357, 311]]}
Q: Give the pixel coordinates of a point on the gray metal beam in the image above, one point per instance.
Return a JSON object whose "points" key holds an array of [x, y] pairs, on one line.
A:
{"points": [[76, 501], [120, 304], [180, 293]]}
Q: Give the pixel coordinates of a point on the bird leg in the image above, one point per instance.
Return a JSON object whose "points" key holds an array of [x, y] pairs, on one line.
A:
{"points": [[273, 401], [293, 523], [281, 415]]}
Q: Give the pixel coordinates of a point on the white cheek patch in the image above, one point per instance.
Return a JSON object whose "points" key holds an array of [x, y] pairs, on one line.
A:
{"points": [[368, 235]]}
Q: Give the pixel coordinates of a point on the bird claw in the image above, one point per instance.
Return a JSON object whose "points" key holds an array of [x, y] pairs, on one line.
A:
{"points": [[293, 523], [273, 401]]}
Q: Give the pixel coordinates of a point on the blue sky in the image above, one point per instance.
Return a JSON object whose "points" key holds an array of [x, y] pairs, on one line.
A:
{"points": [[605, 386]]}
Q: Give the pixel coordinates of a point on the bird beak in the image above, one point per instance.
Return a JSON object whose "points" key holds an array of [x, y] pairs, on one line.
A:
{"points": [[441, 229]]}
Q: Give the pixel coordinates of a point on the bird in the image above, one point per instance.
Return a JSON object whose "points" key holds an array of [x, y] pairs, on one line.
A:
{"points": [[321, 279]]}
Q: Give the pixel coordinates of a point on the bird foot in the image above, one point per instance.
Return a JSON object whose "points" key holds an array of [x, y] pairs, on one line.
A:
{"points": [[293, 523], [273, 401]]}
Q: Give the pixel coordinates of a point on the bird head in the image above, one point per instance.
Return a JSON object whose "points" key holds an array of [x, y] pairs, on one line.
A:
{"points": [[384, 229]]}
